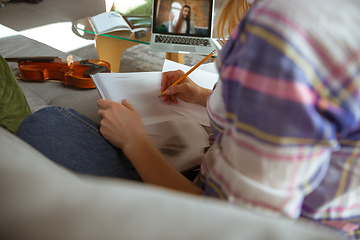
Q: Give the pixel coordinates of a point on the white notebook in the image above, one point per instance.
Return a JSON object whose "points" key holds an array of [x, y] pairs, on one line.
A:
{"points": [[180, 138]]}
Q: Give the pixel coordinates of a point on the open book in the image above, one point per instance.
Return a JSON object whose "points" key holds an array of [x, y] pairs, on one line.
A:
{"points": [[113, 21], [180, 139]]}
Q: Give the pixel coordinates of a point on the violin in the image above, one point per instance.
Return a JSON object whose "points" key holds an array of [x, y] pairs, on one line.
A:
{"points": [[74, 73]]}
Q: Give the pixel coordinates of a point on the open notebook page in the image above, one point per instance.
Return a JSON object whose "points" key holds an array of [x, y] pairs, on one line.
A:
{"points": [[140, 89], [180, 139]]}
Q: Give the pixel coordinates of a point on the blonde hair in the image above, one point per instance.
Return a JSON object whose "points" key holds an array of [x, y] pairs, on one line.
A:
{"points": [[231, 13]]}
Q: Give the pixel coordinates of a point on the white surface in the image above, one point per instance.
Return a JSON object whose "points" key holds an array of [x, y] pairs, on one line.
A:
{"points": [[58, 35], [7, 32]]}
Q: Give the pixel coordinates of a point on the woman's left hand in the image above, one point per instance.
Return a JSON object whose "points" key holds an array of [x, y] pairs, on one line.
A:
{"points": [[121, 124]]}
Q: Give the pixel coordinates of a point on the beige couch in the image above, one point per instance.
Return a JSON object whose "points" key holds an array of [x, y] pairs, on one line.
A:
{"points": [[41, 200]]}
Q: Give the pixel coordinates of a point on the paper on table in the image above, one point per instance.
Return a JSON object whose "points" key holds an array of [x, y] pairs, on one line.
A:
{"points": [[208, 67], [191, 110]]}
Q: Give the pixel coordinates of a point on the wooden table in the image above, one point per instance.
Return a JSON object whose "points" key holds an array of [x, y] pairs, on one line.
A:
{"points": [[110, 49]]}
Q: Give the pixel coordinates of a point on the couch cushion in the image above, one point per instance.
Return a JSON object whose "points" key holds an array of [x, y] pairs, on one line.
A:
{"points": [[42, 94], [13, 105]]}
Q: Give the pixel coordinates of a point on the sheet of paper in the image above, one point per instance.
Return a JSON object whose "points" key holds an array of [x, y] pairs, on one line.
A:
{"points": [[180, 140], [191, 110], [209, 67], [140, 89]]}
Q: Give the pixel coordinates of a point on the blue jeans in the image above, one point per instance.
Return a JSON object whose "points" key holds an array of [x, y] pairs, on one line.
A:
{"points": [[74, 141]]}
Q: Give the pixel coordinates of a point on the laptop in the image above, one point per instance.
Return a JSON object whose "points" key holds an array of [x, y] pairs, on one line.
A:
{"points": [[191, 35]]}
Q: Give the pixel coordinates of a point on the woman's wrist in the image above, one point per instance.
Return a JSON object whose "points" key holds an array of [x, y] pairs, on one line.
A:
{"points": [[202, 96], [155, 169], [136, 143]]}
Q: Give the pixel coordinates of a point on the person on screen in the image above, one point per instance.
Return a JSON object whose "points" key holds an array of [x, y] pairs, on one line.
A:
{"points": [[182, 23]]}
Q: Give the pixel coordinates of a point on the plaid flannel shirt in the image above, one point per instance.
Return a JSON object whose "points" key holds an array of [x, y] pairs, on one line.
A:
{"points": [[286, 113]]}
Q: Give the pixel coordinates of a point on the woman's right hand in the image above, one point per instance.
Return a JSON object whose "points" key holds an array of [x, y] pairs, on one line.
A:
{"points": [[186, 90], [171, 16]]}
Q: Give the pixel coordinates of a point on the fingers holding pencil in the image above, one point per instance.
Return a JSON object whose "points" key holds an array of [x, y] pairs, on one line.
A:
{"points": [[178, 83], [189, 72], [186, 90]]}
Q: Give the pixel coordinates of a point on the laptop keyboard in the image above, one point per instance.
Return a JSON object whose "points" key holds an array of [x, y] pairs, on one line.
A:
{"points": [[183, 40]]}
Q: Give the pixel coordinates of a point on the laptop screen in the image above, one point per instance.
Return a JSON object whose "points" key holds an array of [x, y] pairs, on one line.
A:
{"points": [[193, 18]]}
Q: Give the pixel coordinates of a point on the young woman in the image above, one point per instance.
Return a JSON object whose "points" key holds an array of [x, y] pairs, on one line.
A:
{"points": [[285, 115], [183, 22]]}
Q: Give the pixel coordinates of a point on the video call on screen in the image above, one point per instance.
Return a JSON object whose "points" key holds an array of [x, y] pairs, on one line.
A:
{"points": [[194, 17]]}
